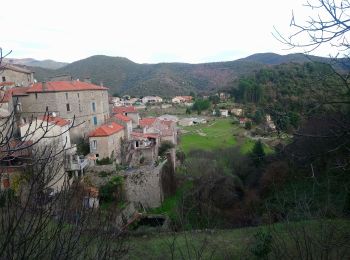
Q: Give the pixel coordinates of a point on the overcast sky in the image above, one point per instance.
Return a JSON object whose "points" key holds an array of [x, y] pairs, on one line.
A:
{"points": [[146, 31]]}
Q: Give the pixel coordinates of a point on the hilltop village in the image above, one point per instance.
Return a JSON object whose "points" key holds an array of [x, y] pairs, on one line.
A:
{"points": [[71, 149], [98, 134]]}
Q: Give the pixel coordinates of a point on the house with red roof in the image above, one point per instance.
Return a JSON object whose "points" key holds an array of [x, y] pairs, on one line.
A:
{"points": [[129, 111], [81, 102], [105, 141], [124, 121], [166, 129]]}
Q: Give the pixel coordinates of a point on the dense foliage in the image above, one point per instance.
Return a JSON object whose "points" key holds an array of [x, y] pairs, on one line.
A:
{"points": [[290, 92]]}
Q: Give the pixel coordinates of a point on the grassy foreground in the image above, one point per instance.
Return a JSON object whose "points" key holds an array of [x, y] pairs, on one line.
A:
{"points": [[242, 242]]}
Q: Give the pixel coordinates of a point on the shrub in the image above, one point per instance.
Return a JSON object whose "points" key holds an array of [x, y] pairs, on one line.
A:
{"points": [[164, 147], [104, 161], [83, 147], [248, 125], [262, 246], [108, 191]]}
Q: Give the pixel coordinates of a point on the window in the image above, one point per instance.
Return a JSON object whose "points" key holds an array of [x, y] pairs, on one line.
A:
{"points": [[94, 144], [66, 95], [3, 79], [95, 120], [93, 107], [78, 95], [80, 110], [36, 95], [68, 107]]}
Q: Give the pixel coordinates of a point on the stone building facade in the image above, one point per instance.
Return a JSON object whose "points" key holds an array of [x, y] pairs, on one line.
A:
{"points": [[20, 76], [105, 141], [82, 103]]}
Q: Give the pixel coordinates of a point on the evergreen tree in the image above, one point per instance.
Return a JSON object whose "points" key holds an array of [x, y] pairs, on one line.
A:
{"points": [[258, 153]]}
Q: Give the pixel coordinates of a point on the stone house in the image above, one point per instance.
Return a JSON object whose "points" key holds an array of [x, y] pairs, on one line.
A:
{"points": [[51, 133], [144, 148], [124, 121], [16, 75], [181, 99], [129, 111], [106, 140], [151, 100], [165, 128], [83, 102]]}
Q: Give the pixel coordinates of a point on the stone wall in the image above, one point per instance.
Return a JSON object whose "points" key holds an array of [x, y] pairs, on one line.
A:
{"points": [[143, 186], [19, 78]]}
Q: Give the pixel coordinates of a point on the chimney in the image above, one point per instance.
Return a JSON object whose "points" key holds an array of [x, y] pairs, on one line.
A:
{"points": [[44, 85]]}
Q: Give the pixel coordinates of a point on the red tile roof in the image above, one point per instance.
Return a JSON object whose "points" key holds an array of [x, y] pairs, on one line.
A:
{"points": [[122, 117], [106, 130], [18, 91], [5, 96], [7, 83], [121, 110], [147, 121], [55, 120], [59, 86]]}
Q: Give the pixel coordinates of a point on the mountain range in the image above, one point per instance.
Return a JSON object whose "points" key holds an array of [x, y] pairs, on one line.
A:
{"points": [[47, 64], [124, 76]]}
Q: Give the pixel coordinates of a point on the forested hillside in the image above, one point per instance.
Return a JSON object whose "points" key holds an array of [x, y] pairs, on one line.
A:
{"points": [[123, 76]]}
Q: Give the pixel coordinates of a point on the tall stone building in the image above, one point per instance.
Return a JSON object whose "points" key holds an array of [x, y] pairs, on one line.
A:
{"points": [[82, 103], [15, 76]]}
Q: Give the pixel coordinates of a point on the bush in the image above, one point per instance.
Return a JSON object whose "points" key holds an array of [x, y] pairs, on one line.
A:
{"points": [[248, 125], [104, 161], [83, 147], [164, 147], [180, 155], [108, 191], [258, 153], [262, 245]]}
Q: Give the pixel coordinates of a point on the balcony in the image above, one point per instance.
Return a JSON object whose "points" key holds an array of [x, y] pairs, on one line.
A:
{"points": [[76, 163]]}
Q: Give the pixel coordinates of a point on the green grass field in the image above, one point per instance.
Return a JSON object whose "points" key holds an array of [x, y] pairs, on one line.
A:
{"points": [[216, 134], [238, 243]]}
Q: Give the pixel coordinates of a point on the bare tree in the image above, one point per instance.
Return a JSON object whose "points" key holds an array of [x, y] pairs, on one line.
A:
{"points": [[37, 221]]}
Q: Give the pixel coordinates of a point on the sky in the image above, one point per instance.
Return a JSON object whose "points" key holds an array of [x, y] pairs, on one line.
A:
{"points": [[146, 31]]}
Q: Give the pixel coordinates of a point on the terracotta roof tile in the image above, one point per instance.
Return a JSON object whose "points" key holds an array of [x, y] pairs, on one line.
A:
{"points": [[148, 121], [106, 130], [55, 120], [18, 91], [121, 110], [122, 117], [7, 83], [59, 86]]}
